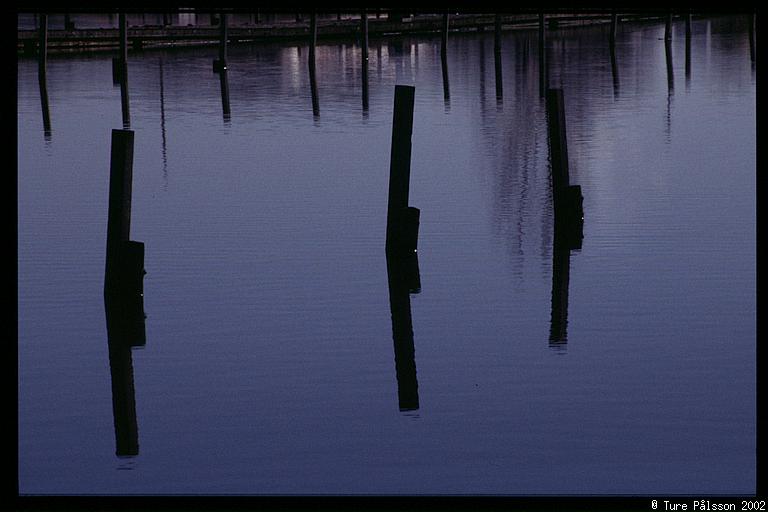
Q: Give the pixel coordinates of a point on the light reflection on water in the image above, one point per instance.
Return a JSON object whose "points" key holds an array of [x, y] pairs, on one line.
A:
{"points": [[269, 363]]}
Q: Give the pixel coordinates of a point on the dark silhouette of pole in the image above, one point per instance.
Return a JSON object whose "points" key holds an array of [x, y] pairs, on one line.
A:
{"points": [[311, 62], [561, 262], [543, 78], [670, 70], [364, 64], [123, 71], [497, 58], [668, 27], [444, 41], [403, 279], [614, 24], [42, 73], [614, 70], [220, 64], [687, 51], [751, 30], [402, 220]]}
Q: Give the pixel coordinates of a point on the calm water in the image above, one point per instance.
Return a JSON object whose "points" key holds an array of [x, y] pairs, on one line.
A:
{"points": [[269, 365]]}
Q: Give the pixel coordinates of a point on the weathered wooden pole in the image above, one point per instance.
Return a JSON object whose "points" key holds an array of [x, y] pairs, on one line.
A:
{"points": [[668, 27], [751, 30], [567, 198], [123, 71], [670, 70], [497, 57], [42, 47], [220, 64], [497, 33], [543, 78], [614, 26], [614, 70], [364, 64], [687, 51], [312, 65], [446, 23], [402, 220], [688, 26], [124, 262], [42, 73]]}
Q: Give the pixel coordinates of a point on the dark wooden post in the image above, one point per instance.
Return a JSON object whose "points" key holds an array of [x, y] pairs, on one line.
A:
{"points": [[614, 23], [497, 58], [543, 82], [670, 70], [668, 27], [402, 220], [42, 73], [751, 29], [123, 270], [614, 70], [688, 26], [446, 23], [220, 64], [497, 33], [123, 71], [364, 64], [687, 50], [42, 47], [567, 199], [312, 34]]}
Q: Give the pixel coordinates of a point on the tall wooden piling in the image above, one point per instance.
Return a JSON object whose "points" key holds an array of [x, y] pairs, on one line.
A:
{"points": [[614, 27], [42, 73], [688, 26], [668, 27], [444, 39], [400, 217], [42, 47], [751, 31], [220, 64], [670, 69], [123, 71], [543, 75], [312, 65], [568, 201], [497, 33], [312, 34], [119, 212], [364, 64]]}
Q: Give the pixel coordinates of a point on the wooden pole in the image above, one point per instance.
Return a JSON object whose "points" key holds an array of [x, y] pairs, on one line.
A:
{"points": [[220, 64], [670, 70], [312, 64], [400, 217], [568, 201], [42, 47], [123, 73], [614, 24], [543, 78], [446, 23], [497, 34], [119, 213], [364, 64], [668, 27]]}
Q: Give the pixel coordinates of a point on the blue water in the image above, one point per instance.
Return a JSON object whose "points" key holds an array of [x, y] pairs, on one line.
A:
{"points": [[269, 365]]}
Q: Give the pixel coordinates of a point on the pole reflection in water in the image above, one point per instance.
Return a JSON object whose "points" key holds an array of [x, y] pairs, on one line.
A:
{"points": [[670, 70], [162, 126], [224, 94], [446, 86], [125, 330], [688, 53], [42, 74], [614, 69], [312, 68], [567, 237], [404, 279]]}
